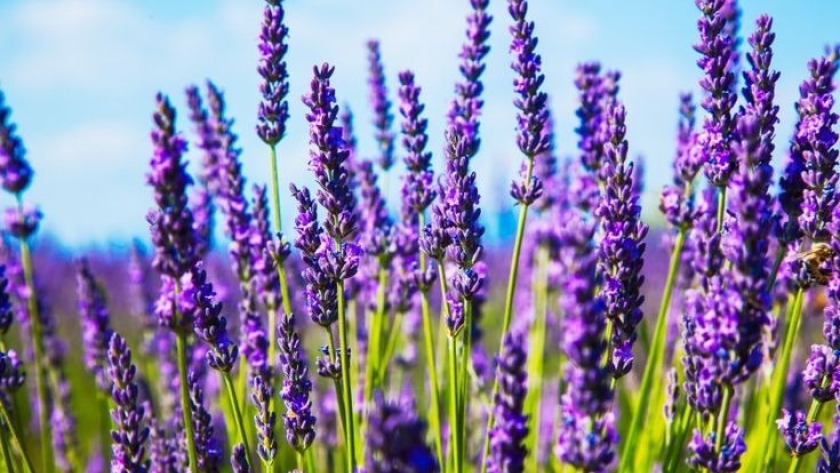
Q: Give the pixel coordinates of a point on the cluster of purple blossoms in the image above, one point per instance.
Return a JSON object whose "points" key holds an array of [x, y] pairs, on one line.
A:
{"points": [[15, 171], [129, 415], [725, 459], [677, 200], [717, 48], [297, 387], [507, 439], [396, 439], [208, 450], [800, 436], [273, 110], [261, 394], [595, 88], [96, 323], [383, 119], [209, 325]]}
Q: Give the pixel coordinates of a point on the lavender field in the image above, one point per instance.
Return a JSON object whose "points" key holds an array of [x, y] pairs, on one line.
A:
{"points": [[364, 319]]}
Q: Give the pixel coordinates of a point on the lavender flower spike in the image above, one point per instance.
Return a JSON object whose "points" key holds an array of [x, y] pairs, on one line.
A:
{"points": [[239, 460], [622, 247], [800, 436], [129, 416], [531, 137], [273, 110], [15, 172], [507, 439], [297, 387], [96, 324], [395, 439], [383, 118], [209, 325], [724, 460], [261, 394], [172, 223], [208, 450], [717, 47]]}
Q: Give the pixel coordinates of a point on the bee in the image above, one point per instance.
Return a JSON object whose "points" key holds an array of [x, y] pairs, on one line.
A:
{"points": [[814, 261]]}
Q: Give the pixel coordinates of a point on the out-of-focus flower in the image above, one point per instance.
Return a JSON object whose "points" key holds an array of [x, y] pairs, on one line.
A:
{"points": [[96, 323], [15, 172], [704, 453], [800, 436], [396, 439], [378, 97], [507, 439]]}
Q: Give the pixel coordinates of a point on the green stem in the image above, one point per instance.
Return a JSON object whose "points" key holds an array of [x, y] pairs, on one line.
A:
{"points": [[723, 416], [721, 208], [780, 257], [7, 452], [186, 407], [7, 418], [428, 346], [780, 374], [38, 352], [347, 390], [463, 372], [390, 347], [454, 421], [104, 427], [536, 358], [374, 353], [652, 374], [275, 190], [237, 414]]}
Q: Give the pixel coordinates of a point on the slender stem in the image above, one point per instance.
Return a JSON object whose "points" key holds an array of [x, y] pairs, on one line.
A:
{"points": [[38, 352], [299, 460], [374, 352], [428, 346], [723, 416], [390, 346], [275, 189], [186, 407], [780, 257], [454, 423], [338, 389], [7, 418], [237, 414], [780, 374], [721, 208], [652, 373], [463, 399], [7, 452], [536, 358], [345, 376]]}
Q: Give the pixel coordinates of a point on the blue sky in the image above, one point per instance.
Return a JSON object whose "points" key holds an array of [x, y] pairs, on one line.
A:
{"points": [[81, 76]]}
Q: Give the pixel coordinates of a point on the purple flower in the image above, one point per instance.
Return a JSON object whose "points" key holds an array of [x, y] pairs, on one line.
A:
{"points": [[622, 247], [531, 137], [172, 222], [672, 393], [717, 49], [595, 89], [22, 222], [12, 374], [15, 172], [265, 253], [396, 439], [704, 454], [7, 315], [417, 189], [207, 448], [376, 227], [378, 96], [239, 460], [261, 394], [810, 167], [297, 388], [507, 439], [822, 373], [800, 436], [273, 110], [96, 323], [129, 416], [677, 201], [208, 323], [201, 204], [208, 142]]}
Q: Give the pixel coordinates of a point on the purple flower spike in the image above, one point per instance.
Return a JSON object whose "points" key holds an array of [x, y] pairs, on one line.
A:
{"points": [[328, 156], [273, 110], [677, 201], [417, 188], [297, 388], [7, 314], [208, 142], [208, 451], [717, 48], [507, 439], [12, 373], [728, 459], [172, 221], [209, 325], [261, 394], [15, 172], [22, 222], [531, 102], [396, 439], [383, 119], [265, 253], [622, 247], [129, 416], [96, 323], [239, 460], [800, 436]]}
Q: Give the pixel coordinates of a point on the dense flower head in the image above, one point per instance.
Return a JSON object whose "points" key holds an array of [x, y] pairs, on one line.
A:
{"points": [[376, 227], [622, 247], [328, 156], [417, 186], [96, 323], [172, 221], [12, 372], [595, 88], [207, 139], [809, 175], [800, 436], [507, 439], [208, 450], [261, 394], [7, 314], [129, 416], [396, 439], [704, 453], [822, 373], [717, 49], [296, 391], [266, 253], [677, 199], [15, 172], [208, 323], [22, 222], [273, 110], [760, 83], [383, 119], [531, 102], [239, 460]]}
